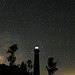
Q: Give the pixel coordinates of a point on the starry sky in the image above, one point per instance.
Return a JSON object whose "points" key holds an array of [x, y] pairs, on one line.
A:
{"points": [[48, 24]]}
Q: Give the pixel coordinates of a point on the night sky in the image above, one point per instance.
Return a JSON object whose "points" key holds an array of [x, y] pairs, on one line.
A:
{"points": [[48, 24]]}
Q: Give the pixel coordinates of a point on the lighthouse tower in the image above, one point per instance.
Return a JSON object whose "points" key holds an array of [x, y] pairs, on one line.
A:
{"points": [[36, 61]]}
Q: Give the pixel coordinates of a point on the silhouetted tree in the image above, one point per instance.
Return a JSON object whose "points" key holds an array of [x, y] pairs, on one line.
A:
{"points": [[23, 66], [12, 49], [29, 65], [26, 67], [51, 68]]}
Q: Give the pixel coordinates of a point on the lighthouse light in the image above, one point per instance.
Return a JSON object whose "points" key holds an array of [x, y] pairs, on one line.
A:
{"points": [[36, 47]]}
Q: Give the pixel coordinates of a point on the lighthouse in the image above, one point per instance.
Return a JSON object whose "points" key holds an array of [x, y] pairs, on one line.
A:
{"points": [[36, 61]]}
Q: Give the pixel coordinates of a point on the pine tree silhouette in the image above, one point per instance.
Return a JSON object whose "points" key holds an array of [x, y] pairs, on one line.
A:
{"points": [[11, 59], [51, 68]]}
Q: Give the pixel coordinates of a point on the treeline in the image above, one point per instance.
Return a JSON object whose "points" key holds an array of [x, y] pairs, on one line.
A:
{"points": [[13, 70], [23, 68]]}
